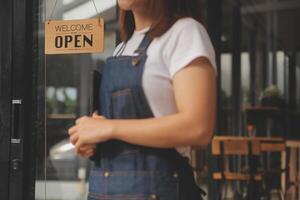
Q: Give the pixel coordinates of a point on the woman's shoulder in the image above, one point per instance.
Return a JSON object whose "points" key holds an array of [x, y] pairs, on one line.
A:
{"points": [[184, 28], [187, 23], [186, 40]]}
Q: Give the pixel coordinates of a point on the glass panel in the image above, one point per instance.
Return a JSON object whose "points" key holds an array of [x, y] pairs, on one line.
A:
{"points": [[267, 55], [226, 70], [245, 71], [62, 175], [226, 73], [264, 35], [280, 69]]}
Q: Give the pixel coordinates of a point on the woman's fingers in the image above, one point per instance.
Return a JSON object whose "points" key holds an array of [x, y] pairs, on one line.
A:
{"points": [[72, 130], [83, 132], [81, 119], [87, 150], [87, 153], [87, 147], [95, 115], [78, 145], [74, 138]]}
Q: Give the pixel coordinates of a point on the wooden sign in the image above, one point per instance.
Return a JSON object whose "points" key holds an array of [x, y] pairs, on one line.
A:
{"points": [[74, 36]]}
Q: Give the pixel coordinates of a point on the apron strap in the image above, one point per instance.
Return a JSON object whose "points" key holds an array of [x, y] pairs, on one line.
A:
{"points": [[140, 58], [144, 45]]}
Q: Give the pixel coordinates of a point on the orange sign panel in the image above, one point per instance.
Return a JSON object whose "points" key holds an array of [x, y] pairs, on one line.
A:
{"points": [[74, 36]]}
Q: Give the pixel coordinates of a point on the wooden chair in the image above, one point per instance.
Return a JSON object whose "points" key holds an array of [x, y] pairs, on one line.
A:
{"points": [[239, 146], [292, 183], [274, 145]]}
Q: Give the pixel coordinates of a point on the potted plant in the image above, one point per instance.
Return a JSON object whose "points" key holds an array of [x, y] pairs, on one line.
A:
{"points": [[272, 97]]}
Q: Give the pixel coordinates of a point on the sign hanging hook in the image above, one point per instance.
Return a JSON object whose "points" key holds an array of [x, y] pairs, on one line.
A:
{"points": [[54, 7], [51, 14], [98, 14], [95, 7]]}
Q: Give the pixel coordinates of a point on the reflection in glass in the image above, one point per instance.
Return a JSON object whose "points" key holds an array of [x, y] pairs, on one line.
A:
{"points": [[61, 100], [61, 174], [245, 71]]}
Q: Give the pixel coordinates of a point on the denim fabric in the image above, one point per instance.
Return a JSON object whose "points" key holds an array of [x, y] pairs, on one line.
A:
{"points": [[131, 172]]}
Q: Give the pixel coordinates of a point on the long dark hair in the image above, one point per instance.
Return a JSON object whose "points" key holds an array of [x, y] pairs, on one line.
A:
{"points": [[167, 12]]}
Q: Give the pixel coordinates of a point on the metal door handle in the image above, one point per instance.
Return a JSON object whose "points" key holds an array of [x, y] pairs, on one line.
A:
{"points": [[16, 121], [16, 149], [16, 134]]}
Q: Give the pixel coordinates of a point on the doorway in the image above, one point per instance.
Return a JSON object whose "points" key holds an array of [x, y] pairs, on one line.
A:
{"points": [[60, 173]]}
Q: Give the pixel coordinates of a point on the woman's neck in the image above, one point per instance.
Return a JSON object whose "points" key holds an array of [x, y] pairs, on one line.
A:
{"points": [[142, 20]]}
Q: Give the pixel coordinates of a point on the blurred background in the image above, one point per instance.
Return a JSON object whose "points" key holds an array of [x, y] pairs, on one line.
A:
{"points": [[257, 44]]}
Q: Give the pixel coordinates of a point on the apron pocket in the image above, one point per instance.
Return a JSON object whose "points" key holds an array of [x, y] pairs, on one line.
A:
{"points": [[122, 104]]}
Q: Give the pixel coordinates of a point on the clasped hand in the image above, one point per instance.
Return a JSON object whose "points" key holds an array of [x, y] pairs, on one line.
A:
{"points": [[87, 132]]}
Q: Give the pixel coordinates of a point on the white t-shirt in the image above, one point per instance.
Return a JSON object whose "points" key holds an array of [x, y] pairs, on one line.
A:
{"points": [[185, 41]]}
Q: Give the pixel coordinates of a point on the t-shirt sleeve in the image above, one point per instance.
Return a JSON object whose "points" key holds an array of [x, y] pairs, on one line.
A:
{"points": [[188, 41]]}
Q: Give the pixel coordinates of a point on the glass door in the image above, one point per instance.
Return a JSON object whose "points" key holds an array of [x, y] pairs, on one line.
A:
{"points": [[62, 175]]}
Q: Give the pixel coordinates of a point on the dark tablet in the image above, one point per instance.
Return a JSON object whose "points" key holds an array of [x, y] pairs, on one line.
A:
{"points": [[95, 96], [95, 104]]}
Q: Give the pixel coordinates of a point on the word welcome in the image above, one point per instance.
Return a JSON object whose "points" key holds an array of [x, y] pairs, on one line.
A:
{"points": [[74, 27]]}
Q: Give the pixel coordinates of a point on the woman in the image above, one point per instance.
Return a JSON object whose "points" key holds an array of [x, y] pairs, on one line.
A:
{"points": [[157, 99]]}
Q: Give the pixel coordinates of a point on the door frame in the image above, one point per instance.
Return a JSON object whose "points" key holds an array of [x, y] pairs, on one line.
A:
{"points": [[20, 86], [5, 93]]}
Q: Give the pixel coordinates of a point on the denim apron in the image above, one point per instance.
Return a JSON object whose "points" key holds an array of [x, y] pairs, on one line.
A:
{"points": [[131, 172]]}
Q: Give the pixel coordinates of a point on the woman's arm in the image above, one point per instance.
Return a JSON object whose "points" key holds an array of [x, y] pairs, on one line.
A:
{"points": [[194, 89], [193, 124]]}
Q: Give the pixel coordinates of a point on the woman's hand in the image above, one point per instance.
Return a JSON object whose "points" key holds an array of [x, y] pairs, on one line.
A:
{"points": [[87, 151], [90, 131]]}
